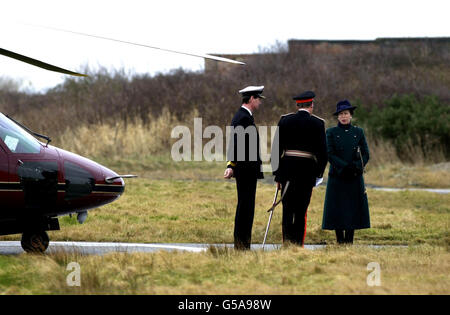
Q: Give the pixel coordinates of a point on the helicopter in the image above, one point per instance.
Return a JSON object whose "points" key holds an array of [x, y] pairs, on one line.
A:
{"points": [[40, 182]]}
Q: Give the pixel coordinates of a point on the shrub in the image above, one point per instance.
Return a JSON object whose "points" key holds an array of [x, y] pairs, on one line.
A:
{"points": [[408, 121]]}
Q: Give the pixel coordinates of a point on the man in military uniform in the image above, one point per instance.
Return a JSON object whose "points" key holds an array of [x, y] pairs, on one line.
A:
{"points": [[302, 157], [244, 163]]}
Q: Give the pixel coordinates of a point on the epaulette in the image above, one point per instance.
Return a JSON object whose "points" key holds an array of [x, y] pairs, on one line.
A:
{"points": [[287, 114], [318, 118]]}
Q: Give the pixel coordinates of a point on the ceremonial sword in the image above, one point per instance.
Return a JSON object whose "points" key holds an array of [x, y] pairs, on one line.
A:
{"points": [[274, 204]]}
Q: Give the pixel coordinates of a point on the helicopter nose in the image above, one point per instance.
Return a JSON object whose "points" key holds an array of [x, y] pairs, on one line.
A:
{"points": [[109, 181], [86, 184]]}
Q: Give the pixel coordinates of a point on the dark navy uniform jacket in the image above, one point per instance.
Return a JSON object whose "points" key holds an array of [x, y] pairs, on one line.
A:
{"points": [[246, 160], [303, 132]]}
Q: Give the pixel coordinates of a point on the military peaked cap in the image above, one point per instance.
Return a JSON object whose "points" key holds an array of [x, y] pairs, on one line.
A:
{"points": [[254, 91], [305, 97]]}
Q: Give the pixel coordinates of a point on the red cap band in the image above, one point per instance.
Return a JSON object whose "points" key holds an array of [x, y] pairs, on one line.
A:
{"points": [[304, 101]]}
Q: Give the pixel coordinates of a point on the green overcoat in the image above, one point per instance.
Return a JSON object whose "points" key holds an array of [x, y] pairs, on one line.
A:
{"points": [[346, 206]]}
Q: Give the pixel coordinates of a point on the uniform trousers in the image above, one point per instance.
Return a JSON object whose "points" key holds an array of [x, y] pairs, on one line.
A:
{"points": [[245, 210], [295, 206]]}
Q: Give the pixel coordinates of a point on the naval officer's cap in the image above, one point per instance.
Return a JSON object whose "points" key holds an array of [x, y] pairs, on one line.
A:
{"points": [[305, 97], [255, 91]]}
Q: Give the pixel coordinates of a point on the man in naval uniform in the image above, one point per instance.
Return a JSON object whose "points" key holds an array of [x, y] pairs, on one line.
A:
{"points": [[302, 158], [244, 163]]}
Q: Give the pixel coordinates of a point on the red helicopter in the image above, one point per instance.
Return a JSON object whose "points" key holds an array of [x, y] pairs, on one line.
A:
{"points": [[39, 182]]}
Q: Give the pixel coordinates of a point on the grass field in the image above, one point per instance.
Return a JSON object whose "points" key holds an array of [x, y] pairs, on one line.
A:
{"points": [[419, 269], [178, 211], [384, 175], [191, 203]]}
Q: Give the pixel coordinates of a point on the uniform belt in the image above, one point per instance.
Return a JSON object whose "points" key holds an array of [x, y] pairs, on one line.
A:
{"points": [[298, 153]]}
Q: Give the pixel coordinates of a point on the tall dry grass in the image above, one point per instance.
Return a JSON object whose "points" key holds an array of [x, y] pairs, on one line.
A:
{"points": [[139, 139], [145, 149], [334, 270], [135, 139]]}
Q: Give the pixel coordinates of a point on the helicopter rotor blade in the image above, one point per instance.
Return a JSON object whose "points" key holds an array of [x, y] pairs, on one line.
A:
{"points": [[207, 56], [38, 63]]}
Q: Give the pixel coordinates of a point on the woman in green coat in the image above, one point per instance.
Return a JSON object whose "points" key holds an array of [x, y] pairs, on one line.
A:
{"points": [[346, 207]]}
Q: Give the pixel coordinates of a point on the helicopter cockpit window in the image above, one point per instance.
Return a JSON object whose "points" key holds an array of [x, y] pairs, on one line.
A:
{"points": [[16, 139]]}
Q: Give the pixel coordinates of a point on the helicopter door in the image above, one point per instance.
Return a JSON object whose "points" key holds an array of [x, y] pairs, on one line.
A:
{"points": [[39, 180]]}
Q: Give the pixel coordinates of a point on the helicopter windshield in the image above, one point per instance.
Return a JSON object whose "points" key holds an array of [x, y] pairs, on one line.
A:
{"points": [[16, 139]]}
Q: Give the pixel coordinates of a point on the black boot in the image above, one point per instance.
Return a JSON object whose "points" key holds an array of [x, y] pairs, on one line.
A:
{"points": [[340, 236], [349, 236]]}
